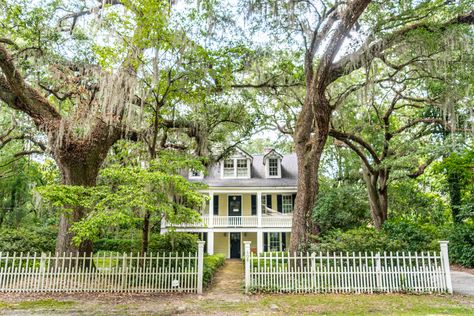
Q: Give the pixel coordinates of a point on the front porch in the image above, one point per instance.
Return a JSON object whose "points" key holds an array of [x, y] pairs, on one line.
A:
{"points": [[231, 244]]}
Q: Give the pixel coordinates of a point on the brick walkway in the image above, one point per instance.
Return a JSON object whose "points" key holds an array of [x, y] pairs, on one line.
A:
{"points": [[228, 281]]}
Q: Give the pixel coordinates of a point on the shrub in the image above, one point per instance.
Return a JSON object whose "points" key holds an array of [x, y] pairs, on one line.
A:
{"points": [[358, 239], [211, 264], [413, 236], [174, 242], [31, 239], [461, 246], [117, 244]]}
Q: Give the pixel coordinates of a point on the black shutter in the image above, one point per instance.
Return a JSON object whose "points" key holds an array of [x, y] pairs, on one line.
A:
{"points": [[279, 203], [265, 242], [283, 241], [216, 205], [294, 199], [254, 204], [269, 200]]}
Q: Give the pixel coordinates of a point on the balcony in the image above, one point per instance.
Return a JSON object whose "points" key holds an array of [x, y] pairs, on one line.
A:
{"points": [[283, 221]]}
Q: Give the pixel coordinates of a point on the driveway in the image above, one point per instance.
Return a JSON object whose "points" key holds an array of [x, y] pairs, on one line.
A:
{"points": [[463, 283]]}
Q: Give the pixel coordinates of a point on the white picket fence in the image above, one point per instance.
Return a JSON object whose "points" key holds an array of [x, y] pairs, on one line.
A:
{"points": [[170, 272], [348, 272]]}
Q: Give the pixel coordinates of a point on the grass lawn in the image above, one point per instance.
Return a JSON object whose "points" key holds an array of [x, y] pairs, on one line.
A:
{"points": [[328, 304]]}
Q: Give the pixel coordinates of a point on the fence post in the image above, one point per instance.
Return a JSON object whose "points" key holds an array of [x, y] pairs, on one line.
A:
{"points": [[378, 270], [247, 265], [200, 265], [445, 261]]}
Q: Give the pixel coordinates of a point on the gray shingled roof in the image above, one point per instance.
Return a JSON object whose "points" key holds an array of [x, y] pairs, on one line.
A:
{"points": [[289, 174]]}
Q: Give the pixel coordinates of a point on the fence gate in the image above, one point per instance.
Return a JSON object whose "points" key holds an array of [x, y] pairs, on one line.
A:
{"points": [[348, 272], [160, 272]]}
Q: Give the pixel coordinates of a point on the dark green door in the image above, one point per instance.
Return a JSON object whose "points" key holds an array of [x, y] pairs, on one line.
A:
{"points": [[235, 245]]}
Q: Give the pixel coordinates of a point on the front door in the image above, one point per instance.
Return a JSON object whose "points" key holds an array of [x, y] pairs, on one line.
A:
{"points": [[235, 210], [235, 245]]}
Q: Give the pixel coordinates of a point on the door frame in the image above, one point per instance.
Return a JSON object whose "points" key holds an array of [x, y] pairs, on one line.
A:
{"points": [[241, 204], [230, 244]]}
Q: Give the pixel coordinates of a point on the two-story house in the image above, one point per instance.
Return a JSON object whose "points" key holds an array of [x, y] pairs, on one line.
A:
{"points": [[251, 197]]}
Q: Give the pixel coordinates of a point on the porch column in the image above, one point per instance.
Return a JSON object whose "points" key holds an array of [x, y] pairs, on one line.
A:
{"points": [[210, 243], [259, 242], [211, 211], [259, 209]]}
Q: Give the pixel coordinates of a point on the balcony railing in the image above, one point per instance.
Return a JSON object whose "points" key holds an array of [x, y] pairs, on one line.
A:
{"points": [[241, 221]]}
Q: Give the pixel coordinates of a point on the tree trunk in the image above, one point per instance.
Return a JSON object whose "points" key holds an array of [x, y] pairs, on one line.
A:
{"points": [[310, 138], [455, 195], [145, 231], [377, 190]]}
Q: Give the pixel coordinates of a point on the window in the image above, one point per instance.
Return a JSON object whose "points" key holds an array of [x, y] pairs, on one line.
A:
{"points": [[274, 242], [235, 168], [228, 168], [287, 203], [273, 167], [242, 168], [264, 203], [195, 174]]}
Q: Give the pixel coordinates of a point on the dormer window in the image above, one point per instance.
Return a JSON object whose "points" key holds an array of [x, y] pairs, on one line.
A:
{"points": [[272, 162], [236, 168], [195, 174], [273, 167]]}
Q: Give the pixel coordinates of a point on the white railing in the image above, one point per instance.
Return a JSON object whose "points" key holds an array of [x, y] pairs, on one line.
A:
{"points": [[277, 221], [348, 272], [235, 221], [170, 272], [239, 221]]}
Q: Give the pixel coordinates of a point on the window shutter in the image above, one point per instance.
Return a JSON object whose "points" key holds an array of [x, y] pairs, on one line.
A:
{"points": [[269, 200], [283, 241], [216, 205], [265, 242], [279, 203], [254, 204], [294, 198]]}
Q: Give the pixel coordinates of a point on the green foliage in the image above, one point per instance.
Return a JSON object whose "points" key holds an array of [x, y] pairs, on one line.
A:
{"points": [[414, 236], [28, 239], [117, 245], [461, 244], [211, 264], [357, 239], [174, 242], [341, 206]]}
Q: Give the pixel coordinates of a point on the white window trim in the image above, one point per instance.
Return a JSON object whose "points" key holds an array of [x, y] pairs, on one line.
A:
{"points": [[234, 176], [267, 167]]}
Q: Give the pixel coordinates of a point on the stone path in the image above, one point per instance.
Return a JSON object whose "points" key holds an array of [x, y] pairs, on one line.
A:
{"points": [[463, 283], [227, 283]]}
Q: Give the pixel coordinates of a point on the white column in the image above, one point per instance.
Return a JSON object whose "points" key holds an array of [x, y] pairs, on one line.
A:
{"points": [[211, 209], [259, 242], [200, 265], [247, 265], [445, 258], [259, 209], [210, 243]]}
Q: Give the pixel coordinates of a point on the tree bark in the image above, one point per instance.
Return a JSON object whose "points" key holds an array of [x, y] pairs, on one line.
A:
{"points": [[377, 190], [145, 232]]}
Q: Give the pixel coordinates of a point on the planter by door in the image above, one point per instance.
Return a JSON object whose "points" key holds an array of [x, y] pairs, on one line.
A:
{"points": [[234, 245]]}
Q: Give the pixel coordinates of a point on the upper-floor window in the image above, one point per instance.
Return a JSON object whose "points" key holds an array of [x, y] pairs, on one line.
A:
{"points": [[236, 168], [229, 168], [273, 167], [287, 203], [195, 174]]}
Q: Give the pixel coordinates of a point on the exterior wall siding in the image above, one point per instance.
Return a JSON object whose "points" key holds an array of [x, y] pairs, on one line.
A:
{"points": [[221, 243]]}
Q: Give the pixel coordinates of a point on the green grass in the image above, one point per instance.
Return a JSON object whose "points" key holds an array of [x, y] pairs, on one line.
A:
{"points": [[47, 304], [322, 304]]}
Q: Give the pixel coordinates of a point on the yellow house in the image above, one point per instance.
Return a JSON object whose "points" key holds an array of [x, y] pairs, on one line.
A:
{"points": [[251, 198]]}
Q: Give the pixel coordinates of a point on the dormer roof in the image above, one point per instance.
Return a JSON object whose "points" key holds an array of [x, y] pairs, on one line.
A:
{"points": [[271, 153]]}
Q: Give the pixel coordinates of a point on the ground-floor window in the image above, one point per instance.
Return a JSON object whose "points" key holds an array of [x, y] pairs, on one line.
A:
{"points": [[274, 242]]}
